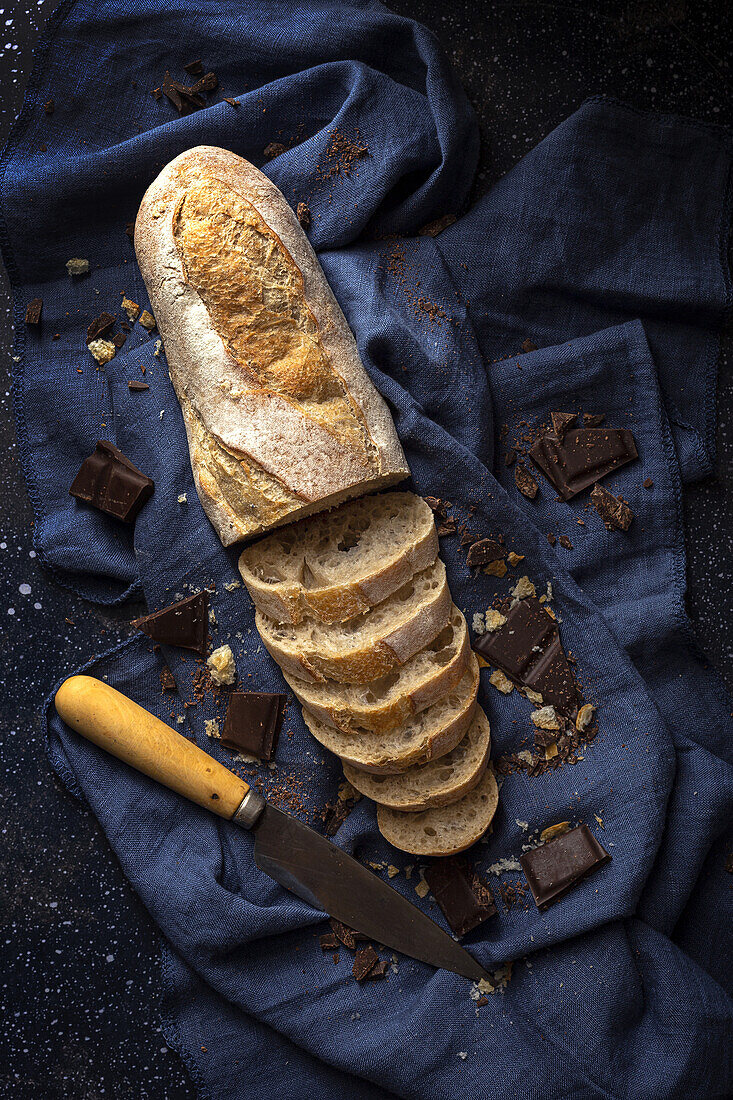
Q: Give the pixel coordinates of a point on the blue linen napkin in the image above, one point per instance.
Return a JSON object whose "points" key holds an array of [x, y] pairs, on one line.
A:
{"points": [[606, 247]]}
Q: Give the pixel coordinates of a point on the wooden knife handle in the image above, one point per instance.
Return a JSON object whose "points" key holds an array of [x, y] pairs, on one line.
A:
{"points": [[127, 731]]}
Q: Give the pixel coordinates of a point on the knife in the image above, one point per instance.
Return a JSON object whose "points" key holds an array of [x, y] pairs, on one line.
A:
{"points": [[296, 856]]}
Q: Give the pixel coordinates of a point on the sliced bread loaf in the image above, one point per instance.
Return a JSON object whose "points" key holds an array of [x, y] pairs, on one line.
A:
{"points": [[428, 735], [445, 830], [338, 565], [385, 703], [369, 646], [435, 783]]}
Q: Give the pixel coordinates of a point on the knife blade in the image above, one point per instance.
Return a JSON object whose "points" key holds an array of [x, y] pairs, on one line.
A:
{"points": [[293, 854]]}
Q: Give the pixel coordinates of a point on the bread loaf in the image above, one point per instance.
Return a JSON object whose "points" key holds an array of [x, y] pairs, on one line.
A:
{"points": [[281, 417], [446, 830], [338, 565]]}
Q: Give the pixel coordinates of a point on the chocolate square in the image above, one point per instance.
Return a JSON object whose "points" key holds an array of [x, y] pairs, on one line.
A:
{"points": [[462, 897], [582, 457], [555, 867], [185, 624], [110, 482], [253, 722]]}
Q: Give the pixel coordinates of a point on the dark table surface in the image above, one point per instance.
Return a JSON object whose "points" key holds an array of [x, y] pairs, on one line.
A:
{"points": [[80, 981]]}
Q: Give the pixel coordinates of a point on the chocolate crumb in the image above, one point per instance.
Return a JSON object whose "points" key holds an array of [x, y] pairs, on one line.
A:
{"points": [[194, 67], [49, 106], [231, 102], [484, 551], [648, 483], [433, 228], [593, 420], [364, 962], [303, 214], [510, 457], [100, 326], [137, 387], [525, 482], [347, 936], [551, 538], [614, 512], [565, 542], [119, 339], [167, 682], [274, 149], [329, 942], [527, 345], [33, 311]]}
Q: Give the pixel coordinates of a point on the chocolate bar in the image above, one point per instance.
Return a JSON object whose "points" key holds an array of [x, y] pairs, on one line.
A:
{"points": [[185, 624], [555, 867], [108, 481], [582, 457], [527, 649], [464, 900], [253, 722]]}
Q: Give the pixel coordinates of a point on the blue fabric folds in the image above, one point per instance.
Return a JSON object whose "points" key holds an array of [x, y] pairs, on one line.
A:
{"points": [[606, 247]]}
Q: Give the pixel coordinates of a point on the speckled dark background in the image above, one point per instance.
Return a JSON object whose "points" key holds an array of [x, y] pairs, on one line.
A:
{"points": [[80, 974]]}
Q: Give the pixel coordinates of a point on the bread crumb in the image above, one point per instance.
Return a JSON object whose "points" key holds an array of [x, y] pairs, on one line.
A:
{"points": [[221, 665], [478, 623], [463, 1054], [147, 320], [545, 718], [494, 620], [533, 696], [523, 588], [77, 266], [158, 348], [180, 720], [422, 888], [211, 726], [132, 309], [392, 870], [347, 793], [231, 585], [552, 831], [503, 865], [523, 825], [501, 682], [102, 350], [495, 568], [514, 559], [585, 714], [182, 498]]}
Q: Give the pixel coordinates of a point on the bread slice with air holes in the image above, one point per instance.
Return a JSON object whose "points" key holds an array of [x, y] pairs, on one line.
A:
{"points": [[392, 699], [435, 783], [424, 737], [369, 646], [444, 830], [338, 565]]}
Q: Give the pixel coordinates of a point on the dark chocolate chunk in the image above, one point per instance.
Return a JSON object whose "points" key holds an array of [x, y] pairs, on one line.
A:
{"points": [[614, 512], [551, 538], [109, 481], [593, 420], [378, 971], [33, 311], [525, 482], [365, 960], [510, 457], [584, 456], [253, 723], [185, 624], [555, 867], [194, 67], [347, 936], [49, 106], [100, 326], [274, 149], [303, 214], [463, 899], [437, 506], [137, 387], [527, 345], [432, 229], [447, 527], [329, 942], [484, 551], [207, 83], [167, 682], [119, 339], [565, 542], [157, 93], [527, 649], [561, 422], [648, 483]]}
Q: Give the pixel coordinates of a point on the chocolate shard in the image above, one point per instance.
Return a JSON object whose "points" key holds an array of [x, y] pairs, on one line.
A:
{"points": [[555, 867], [378, 971], [561, 422], [464, 900], [231, 102], [565, 542], [527, 345], [510, 457], [437, 506], [345, 935], [527, 649], [167, 681], [193, 68], [614, 512], [100, 326], [184, 624], [593, 420], [119, 339], [303, 214], [33, 311], [137, 387], [525, 482], [484, 551], [447, 527], [329, 942], [583, 457], [208, 83], [274, 149], [110, 482], [364, 962], [253, 723]]}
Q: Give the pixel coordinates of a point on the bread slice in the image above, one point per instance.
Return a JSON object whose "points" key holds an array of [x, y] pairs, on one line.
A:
{"points": [[435, 783], [385, 703], [369, 646], [445, 830], [340, 564], [424, 737]]}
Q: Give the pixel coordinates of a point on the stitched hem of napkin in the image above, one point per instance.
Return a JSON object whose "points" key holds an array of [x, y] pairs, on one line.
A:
{"points": [[30, 101], [171, 1028]]}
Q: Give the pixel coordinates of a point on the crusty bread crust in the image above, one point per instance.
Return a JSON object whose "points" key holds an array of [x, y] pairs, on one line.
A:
{"points": [[260, 456]]}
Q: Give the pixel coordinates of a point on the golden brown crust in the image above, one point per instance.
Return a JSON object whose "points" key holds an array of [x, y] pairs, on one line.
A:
{"points": [[281, 417]]}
